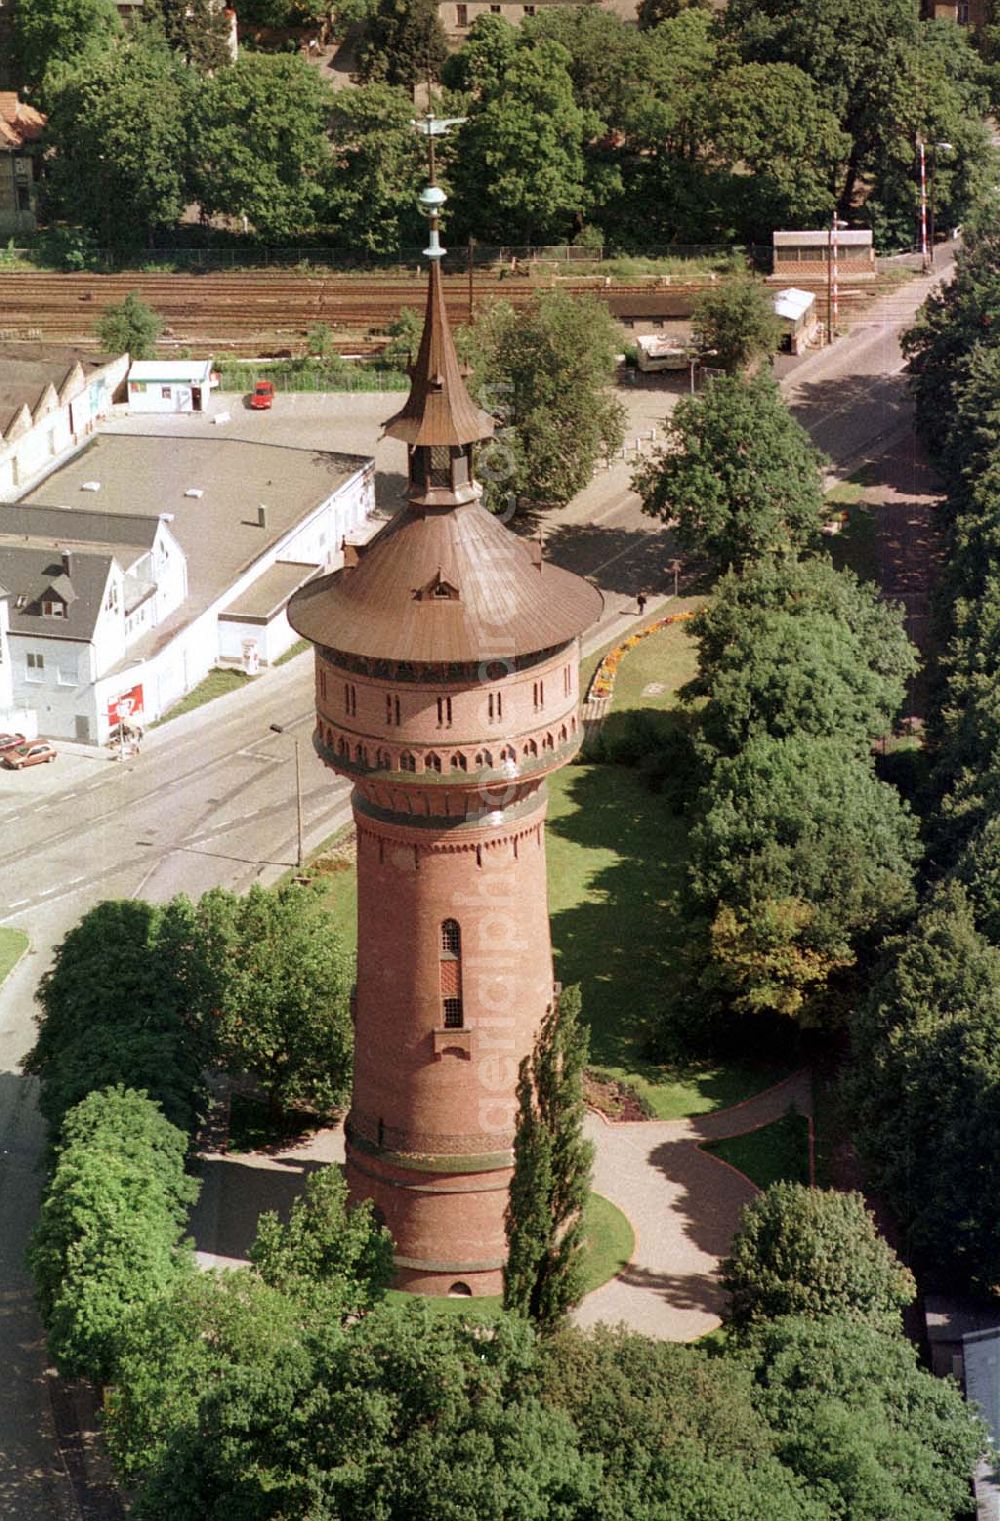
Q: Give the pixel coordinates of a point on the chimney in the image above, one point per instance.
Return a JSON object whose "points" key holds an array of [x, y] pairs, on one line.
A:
{"points": [[67, 563], [351, 555], [536, 552], [262, 516]]}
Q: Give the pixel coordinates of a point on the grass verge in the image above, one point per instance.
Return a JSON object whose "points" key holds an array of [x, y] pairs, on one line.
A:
{"points": [[216, 684], [778, 1152], [13, 944], [610, 1244], [662, 662], [298, 648]]}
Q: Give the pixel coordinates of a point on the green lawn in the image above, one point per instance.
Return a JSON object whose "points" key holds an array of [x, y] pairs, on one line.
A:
{"points": [[610, 1244], [13, 944], [298, 648], [616, 867], [216, 684], [775, 1153], [666, 659]]}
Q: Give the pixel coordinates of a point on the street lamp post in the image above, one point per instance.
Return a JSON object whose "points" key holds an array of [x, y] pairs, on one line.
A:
{"points": [[928, 174], [280, 729]]}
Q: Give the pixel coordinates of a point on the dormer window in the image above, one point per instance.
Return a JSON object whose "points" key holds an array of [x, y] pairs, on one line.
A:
{"points": [[438, 590], [53, 608]]}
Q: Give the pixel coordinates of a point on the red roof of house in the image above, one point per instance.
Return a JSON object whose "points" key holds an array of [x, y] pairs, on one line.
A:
{"points": [[19, 122]]}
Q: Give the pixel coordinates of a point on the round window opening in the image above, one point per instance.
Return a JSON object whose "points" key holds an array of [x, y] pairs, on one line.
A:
{"points": [[460, 1291]]}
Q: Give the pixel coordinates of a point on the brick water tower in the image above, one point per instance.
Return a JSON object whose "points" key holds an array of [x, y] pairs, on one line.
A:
{"points": [[447, 666]]}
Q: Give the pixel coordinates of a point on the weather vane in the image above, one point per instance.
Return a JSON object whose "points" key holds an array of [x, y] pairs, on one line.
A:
{"points": [[432, 197]]}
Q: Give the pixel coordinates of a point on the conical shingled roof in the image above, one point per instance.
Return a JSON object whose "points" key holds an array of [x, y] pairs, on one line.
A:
{"points": [[442, 588], [439, 409]]}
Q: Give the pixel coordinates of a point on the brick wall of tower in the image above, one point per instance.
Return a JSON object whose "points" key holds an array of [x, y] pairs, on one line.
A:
{"points": [[432, 1116]]}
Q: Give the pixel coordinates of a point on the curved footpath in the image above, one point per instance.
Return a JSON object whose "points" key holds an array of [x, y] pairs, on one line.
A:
{"points": [[684, 1206]]}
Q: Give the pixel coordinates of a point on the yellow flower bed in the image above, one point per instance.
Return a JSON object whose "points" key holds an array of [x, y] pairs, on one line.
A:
{"points": [[603, 681]]}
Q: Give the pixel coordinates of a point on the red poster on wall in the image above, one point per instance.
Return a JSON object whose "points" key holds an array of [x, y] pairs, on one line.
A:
{"points": [[127, 706]]}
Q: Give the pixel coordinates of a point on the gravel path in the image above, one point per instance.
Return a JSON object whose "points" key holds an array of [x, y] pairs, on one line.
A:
{"points": [[684, 1206]]}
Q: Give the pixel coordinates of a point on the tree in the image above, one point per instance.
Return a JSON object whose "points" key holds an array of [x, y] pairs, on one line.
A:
{"points": [[131, 327], [52, 37], [378, 166], [326, 1244], [284, 1006], [676, 1431], [259, 144], [737, 472], [197, 29], [403, 43], [544, 369], [117, 1006], [415, 1414], [924, 1084], [119, 128], [652, 13], [736, 323], [864, 1426], [519, 173], [487, 50], [108, 1237], [798, 853], [810, 1251], [551, 1179], [784, 144], [201, 1429], [800, 587], [790, 673]]}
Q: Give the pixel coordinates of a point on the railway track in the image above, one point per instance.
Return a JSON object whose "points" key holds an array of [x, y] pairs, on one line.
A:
{"points": [[242, 312], [263, 312]]}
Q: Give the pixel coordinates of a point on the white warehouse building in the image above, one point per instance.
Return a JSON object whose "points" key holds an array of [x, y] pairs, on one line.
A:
{"points": [[146, 560]]}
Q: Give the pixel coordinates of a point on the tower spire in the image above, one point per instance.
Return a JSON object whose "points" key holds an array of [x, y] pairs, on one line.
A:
{"points": [[439, 412]]}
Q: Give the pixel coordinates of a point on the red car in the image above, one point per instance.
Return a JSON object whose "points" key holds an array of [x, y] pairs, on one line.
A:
{"points": [[262, 395], [8, 741], [36, 753]]}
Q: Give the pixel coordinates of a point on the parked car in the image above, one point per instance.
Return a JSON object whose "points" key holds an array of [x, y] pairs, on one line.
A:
{"points": [[8, 741], [262, 395], [35, 753]]}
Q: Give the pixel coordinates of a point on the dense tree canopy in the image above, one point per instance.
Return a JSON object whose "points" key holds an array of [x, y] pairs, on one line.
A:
{"points": [[519, 171], [326, 1245], [809, 1251], [544, 370], [117, 1007], [925, 1089], [109, 1234], [378, 166], [284, 994], [737, 472], [259, 144], [797, 853], [736, 324], [403, 43], [868, 1431], [121, 125], [52, 37]]}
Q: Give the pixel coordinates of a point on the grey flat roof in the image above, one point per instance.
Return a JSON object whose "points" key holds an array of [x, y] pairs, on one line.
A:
{"points": [[847, 237], [269, 593], [147, 474], [76, 525]]}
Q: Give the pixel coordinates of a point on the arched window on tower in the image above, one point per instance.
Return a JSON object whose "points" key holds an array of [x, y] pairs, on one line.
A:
{"points": [[451, 975], [459, 762], [432, 761]]}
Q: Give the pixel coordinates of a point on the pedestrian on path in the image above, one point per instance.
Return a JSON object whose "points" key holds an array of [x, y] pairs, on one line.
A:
{"points": [[640, 603]]}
